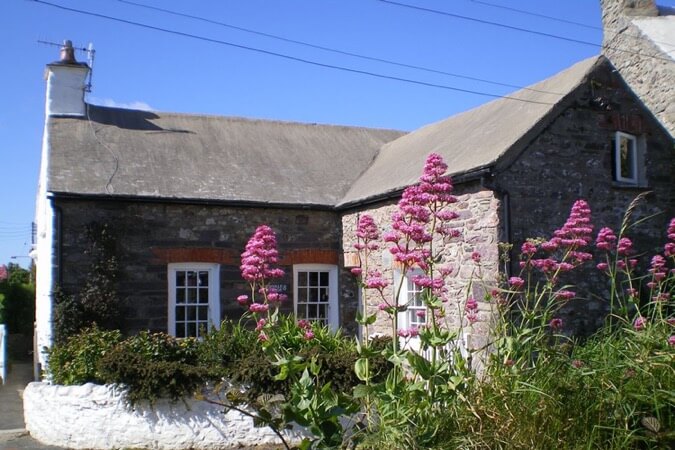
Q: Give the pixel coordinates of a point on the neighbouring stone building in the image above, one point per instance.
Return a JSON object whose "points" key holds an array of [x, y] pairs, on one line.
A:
{"points": [[182, 193]]}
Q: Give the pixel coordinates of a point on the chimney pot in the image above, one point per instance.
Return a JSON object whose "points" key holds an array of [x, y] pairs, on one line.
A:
{"points": [[68, 53]]}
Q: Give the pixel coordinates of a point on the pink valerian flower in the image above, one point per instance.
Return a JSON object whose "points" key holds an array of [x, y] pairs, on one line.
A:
{"points": [[274, 297], [639, 323], [408, 332], [242, 300], [671, 340], [661, 297], [260, 255], [671, 321], [606, 239], [475, 256], [424, 281], [304, 324], [356, 271], [308, 335], [262, 337], [669, 249], [471, 304], [576, 232], [603, 267], [472, 317], [577, 364], [528, 248], [367, 229], [375, 280], [3, 272], [260, 325], [565, 295], [383, 306], [625, 246], [258, 307], [556, 324], [658, 268], [516, 282]]}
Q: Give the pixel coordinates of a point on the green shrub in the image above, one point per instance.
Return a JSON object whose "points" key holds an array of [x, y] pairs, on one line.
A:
{"points": [[17, 305], [76, 361], [220, 348], [151, 366]]}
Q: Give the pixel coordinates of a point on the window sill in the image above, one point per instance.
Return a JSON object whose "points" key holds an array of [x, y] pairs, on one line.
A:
{"points": [[629, 186]]}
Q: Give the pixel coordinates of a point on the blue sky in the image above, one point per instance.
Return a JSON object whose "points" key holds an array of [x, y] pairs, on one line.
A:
{"points": [[138, 67]]}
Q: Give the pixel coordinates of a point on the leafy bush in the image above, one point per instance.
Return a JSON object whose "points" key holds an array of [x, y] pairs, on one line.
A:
{"points": [[221, 348], [76, 361], [151, 366]]}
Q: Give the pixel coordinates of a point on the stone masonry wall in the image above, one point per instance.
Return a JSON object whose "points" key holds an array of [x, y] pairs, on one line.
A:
{"points": [[479, 225], [152, 235], [572, 159], [647, 69]]}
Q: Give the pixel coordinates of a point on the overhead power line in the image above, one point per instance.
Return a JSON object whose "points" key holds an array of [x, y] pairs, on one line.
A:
{"points": [[534, 14], [515, 28], [332, 50], [570, 22], [285, 56]]}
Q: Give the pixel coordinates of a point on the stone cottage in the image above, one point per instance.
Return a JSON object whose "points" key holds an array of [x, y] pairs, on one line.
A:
{"points": [[182, 193]]}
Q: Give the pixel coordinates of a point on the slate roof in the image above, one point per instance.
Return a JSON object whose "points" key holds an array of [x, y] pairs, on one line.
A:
{"points": [[134, 153], [122, 152], [475, 139]]}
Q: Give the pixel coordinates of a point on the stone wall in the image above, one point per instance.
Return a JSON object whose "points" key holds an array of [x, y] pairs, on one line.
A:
{"points": [[480, 229], [151, 235], [96, 417], [572, 159], [642, 63]]}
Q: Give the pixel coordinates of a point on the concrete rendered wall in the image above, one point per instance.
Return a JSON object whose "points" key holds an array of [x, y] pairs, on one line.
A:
{"points": [[95, 417]]}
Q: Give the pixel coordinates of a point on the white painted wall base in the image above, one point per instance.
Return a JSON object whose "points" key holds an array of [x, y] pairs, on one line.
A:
{"points": [[95, 417]]}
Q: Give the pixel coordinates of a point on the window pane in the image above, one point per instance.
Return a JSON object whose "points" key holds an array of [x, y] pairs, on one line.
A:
{"points": [[180, 329], [191, 313], [313, 295], [302, 278], [627, 155], [203, 295], [180, 313], [302, 295], [313, 279], [191, 330], [180, 295], [180, 278], [191, 295], [192, 278], [203, 313], [323, 278], [323, 294], [321, 311], [203, 278]]}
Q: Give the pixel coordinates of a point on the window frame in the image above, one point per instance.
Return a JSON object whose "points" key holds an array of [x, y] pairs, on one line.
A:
{"points": [[333, 313], [636, 159], [404, 321], [214, 293]]}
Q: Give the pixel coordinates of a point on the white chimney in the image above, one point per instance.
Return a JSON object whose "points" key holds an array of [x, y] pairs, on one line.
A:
{"points": [[66, 84]]}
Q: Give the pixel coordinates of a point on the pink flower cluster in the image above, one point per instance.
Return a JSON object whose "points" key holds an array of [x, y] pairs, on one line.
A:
{"points": [[375, 280], [420, 204], [471, 308], [367, 232], [408, 332], [260, 255], [556, 324], [669, 249], [571, 239]]}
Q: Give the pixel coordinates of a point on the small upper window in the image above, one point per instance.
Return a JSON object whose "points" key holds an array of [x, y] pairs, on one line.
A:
{"points": [[627, 159]]}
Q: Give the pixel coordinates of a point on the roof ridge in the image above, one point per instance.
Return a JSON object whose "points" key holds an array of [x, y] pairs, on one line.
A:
{"points": [[243, 119]]}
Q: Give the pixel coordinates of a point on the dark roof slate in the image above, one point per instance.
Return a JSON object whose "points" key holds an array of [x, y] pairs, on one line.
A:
{"points": [[179, 156]]}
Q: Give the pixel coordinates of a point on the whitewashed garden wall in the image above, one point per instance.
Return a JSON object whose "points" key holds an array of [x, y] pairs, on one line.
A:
{"points": [[96, 417]]}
